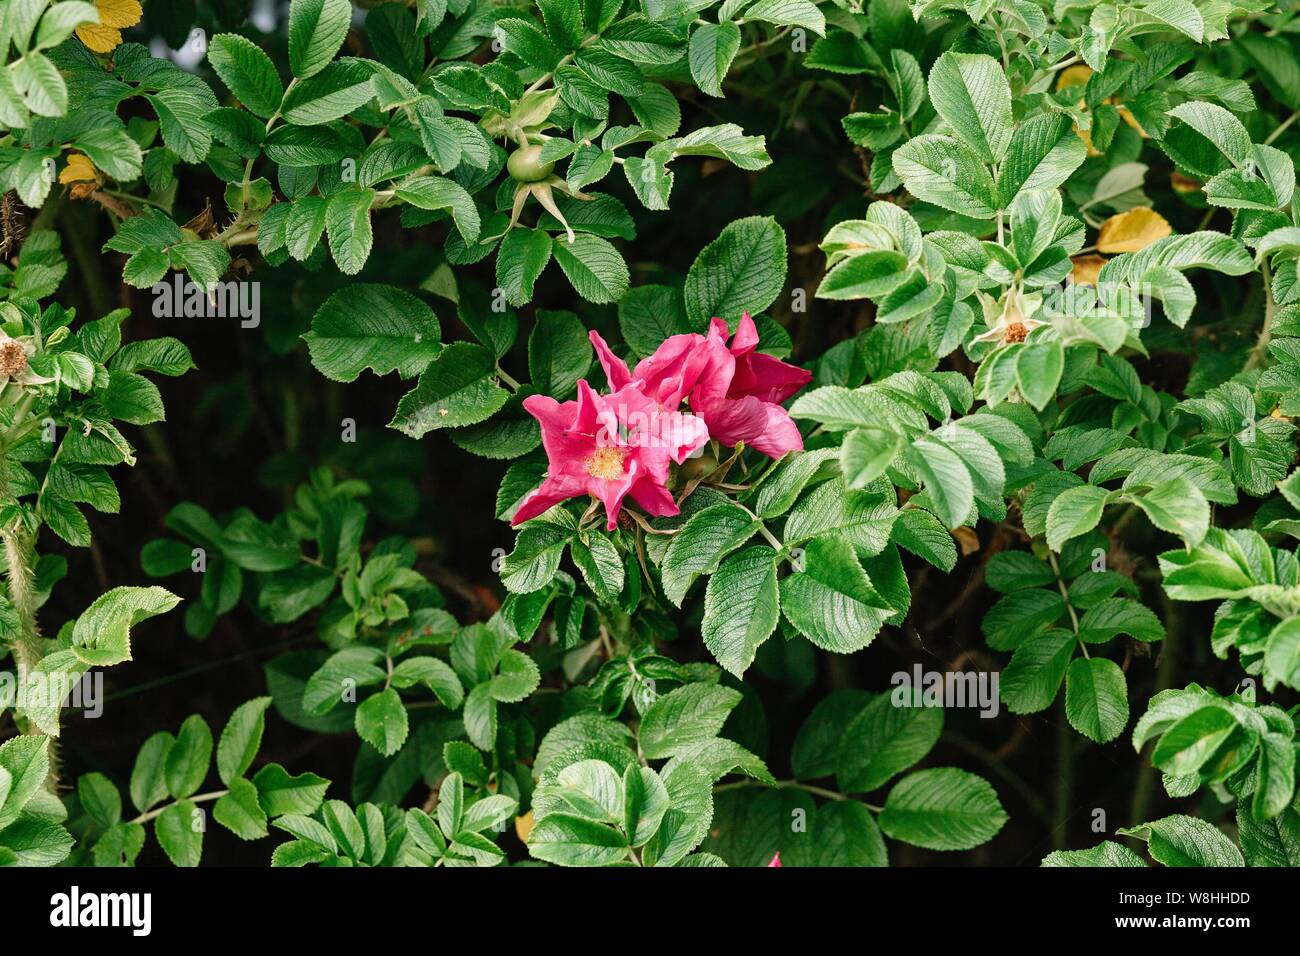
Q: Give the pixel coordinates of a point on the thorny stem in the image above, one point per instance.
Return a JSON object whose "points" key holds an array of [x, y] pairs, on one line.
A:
{"points": [[19, 545], [20, 555], [19, 552]]}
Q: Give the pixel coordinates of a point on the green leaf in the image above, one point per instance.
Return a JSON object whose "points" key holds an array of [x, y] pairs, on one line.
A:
{"points": [[788, 13], [943, 171], [685, 716], [1177, 506], [648, 314], [523, 254], [517, 677], [817, 744], [741, 601], [25, 762], [99, 798], [376, 327], [36, 841], [179, 830], [535, 558], [240, 811], [1219, 126], [942, 809], [247, 72], [456, 389], [1282, 653], [241, 738], [573, 841], [700, 545], [867, 275], [347, 223], [433, 673], [863, 518], [595, 268], [866, 453], [381, 722], [41, 85], [1074, 512], [713, 46], [1032, 679], [601, 565], [317, 28], [1180, 840], [525, 40], [830, 600], [1096, 698], [743, 270], [1186, 746], [924, 535], [279, 792], [148, 776], [971, 93], [1115, 616], [1106, 853], [947, 479], [1272, 842], [779, 491], [645, 801], [435, 192], [590, 788], [890, 734], [559, 352], [186, 764], [1038, 372], [102, 635]]}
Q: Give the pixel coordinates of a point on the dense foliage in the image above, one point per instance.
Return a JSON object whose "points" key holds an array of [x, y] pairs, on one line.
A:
{"points": [[897, 464]]}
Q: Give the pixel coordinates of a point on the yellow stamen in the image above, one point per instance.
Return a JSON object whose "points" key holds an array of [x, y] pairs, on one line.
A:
{"points": [[606, 463]]}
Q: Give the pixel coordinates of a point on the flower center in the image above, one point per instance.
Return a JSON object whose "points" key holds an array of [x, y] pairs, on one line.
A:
{"points": [[13, 360], [1015, 332], [606, 463]]}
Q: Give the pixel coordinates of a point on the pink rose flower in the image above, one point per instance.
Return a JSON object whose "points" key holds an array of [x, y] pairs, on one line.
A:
{"points": [[776, 860], [610, 447], [739, 392], [667, 376]]}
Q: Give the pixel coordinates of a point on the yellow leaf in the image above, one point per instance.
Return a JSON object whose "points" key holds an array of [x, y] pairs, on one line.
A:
{"points": [[119, 13], [1131, 120], [1086, 269], [99, 38], [967, 540], [78, 170], [1086, 136], [106, 35], [524, 826], [1132, 230], [1076, 75], [1183, 184]]}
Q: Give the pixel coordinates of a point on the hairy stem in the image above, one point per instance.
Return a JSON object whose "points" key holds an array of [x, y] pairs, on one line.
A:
{"points": [[19, 554], [29, 648], [197, 798]]}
